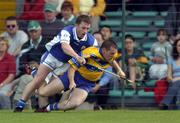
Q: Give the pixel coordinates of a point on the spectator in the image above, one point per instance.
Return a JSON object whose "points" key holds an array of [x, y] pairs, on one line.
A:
{"points": [[15, 36], [93, 8], [160, 50], [172, 20], [57, 3], [50, 26], [174, 78], [98, 36], [33, 10], [35, 47], [7, 74], [106, 32], [18, 86], [134, 59], [68, 17]]}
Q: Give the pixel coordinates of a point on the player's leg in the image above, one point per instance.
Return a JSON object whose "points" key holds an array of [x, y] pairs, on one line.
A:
{"points": [[38, 80], [46, 66], [76, 98], [54, 87], [42, 101], [65, 96], [42, 72], [51, 88]]}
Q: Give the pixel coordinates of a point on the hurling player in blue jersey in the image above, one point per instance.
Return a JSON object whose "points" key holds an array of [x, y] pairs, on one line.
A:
{"points": [[81, 78], [66, 45]]}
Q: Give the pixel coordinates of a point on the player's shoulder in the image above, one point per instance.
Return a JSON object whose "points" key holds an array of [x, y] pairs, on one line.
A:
{"points": [[92, 50], [90, 35], [96, 48]]}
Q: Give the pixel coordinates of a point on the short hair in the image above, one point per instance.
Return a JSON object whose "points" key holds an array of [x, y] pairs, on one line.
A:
{"points": [[107, 44], [83, 18], [11, 18], [129, 36], [106, 26], [5, 40], [161, 31], [67, 4], [98, 32]]}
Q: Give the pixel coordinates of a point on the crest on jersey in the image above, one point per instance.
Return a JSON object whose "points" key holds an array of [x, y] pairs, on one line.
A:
{"points": [[83, 47]]}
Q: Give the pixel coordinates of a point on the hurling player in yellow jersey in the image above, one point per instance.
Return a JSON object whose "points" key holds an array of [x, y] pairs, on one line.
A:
{"points": [[82, 78]]}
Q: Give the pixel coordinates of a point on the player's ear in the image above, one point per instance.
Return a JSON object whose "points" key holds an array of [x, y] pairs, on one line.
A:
{"points": [[103, 50]]}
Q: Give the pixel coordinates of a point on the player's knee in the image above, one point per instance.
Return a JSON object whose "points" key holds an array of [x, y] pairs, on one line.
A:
{"points": [[42, 92]]}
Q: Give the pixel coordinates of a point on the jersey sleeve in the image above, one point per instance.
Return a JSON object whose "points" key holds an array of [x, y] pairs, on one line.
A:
{"points": [[65, 36], [74, 63]]}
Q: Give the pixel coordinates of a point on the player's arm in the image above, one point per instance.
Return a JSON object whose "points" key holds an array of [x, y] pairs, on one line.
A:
{"points": [[118, 69], [74, 65], [71, 73], [67, 49]]}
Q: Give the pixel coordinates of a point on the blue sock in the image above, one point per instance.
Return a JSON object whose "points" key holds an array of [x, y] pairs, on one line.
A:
{"points": [[54, 106], [21, 104]]}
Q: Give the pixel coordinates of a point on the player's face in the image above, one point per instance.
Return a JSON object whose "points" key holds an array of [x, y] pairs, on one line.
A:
{"points": [[82, 29], [109, 53]]}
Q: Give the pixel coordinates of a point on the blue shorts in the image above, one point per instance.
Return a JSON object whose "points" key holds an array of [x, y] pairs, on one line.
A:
{"points": [[81, 82]]}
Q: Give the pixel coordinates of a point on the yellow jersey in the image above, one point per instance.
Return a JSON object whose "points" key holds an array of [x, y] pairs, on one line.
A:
{"points": [[94, 60]]}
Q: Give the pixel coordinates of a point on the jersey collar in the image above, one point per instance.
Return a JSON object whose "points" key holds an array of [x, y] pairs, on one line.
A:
{"points": [[75, 36]]}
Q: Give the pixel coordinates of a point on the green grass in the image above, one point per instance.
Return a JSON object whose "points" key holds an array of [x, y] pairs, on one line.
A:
{"points": [[105, 116]]}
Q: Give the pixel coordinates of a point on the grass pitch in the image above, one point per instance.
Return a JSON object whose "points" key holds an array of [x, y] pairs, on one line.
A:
{"points": [[104, 116]]}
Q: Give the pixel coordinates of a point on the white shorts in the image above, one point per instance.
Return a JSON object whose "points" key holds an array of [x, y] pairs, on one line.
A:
{"points": [[57, 66]]}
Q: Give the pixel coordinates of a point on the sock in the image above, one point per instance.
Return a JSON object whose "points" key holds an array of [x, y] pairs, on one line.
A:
{"points": [[21, 104], [54, 106]]}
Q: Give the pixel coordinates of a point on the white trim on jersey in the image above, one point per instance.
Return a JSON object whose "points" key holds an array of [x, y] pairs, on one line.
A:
{"points": [[65, 37], [76, 37]]}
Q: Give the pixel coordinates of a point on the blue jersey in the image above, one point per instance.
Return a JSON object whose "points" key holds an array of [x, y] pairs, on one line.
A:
{"points": [[69, 35]]}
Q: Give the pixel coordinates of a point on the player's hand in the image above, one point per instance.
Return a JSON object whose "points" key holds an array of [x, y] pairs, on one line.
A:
{"points": [[81, 60], [96, 88], [121, 74], [72, 85]]}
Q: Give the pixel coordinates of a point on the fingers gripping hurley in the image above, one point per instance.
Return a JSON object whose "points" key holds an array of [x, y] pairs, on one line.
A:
{"points": [[112, 73]]}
